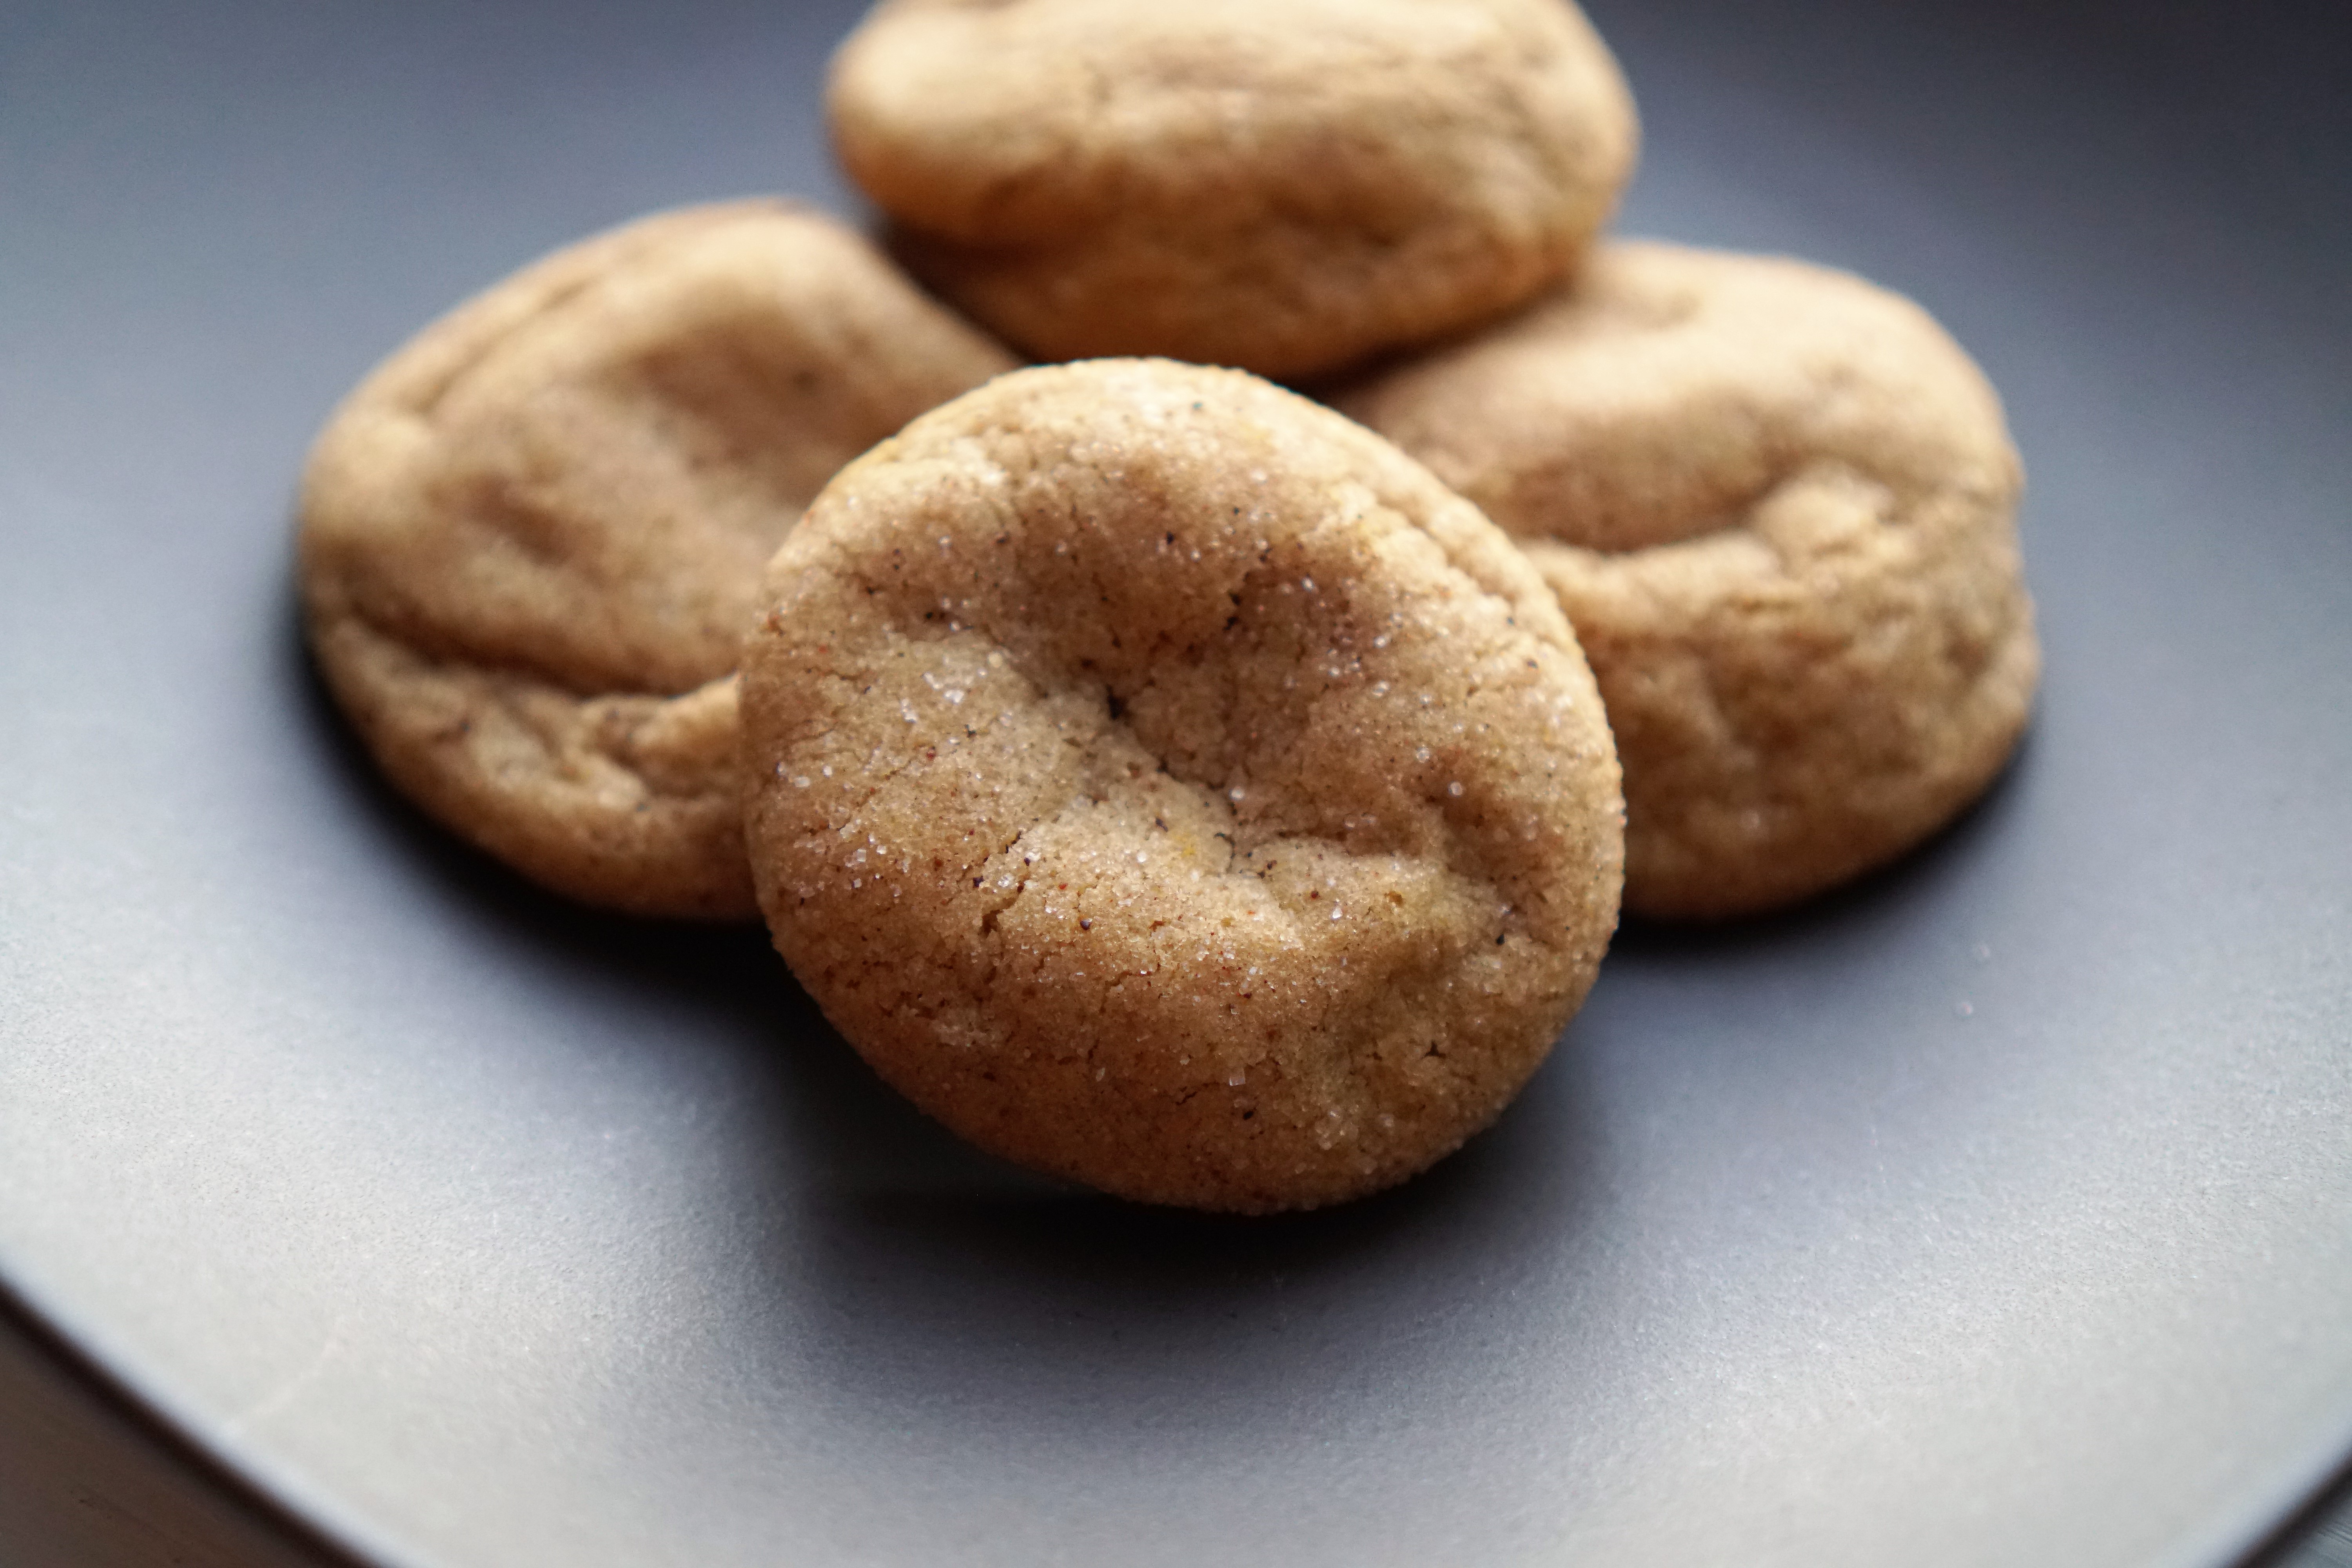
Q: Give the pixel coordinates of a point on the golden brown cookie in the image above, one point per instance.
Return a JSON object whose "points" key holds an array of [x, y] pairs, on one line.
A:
{"points": [[532, 540], [1168, 785], [1777, 504], [1285, 185]]}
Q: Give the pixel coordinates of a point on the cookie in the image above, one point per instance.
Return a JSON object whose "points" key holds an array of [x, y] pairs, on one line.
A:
{"points": [[532, 540], [1777, 504], [1283, 185], [1167, 785]]}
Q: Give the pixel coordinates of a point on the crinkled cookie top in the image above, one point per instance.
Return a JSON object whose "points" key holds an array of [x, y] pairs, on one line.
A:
{"points": [[1168, 785], [1779, 504], [533, 538]]}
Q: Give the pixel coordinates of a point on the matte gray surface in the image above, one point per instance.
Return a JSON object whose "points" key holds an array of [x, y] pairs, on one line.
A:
{"points": [[1998, 1211]]}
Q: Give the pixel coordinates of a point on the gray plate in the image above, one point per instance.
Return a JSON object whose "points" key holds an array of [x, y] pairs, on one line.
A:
{"points": [[1997, 1210]]}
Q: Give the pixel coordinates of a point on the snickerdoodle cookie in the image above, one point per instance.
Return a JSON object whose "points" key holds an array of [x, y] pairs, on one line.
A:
{"points": [[1285, 185], [1167, 784], [1778, 505], [532, 540]]}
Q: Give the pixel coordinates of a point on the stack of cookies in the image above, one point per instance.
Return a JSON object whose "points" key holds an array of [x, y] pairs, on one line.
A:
{"points": [[1165, 780]]}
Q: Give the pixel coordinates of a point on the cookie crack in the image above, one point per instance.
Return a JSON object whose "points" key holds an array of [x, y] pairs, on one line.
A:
{"points": [[561, 747], [461, 661]]}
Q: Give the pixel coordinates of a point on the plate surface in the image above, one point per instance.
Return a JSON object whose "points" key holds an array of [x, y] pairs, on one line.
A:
{"points": [[1997, 1210]]}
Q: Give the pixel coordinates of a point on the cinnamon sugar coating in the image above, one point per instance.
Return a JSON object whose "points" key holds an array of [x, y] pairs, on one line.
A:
{"points": [[1167, 785]]}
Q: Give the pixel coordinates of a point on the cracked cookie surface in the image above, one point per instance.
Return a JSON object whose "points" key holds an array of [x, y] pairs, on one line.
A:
{"points": [[531, 539], [1777, 504], [1167, 785], [1283, 185]]}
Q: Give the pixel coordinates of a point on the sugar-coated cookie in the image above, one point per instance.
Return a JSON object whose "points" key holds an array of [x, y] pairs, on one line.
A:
{"points": [[532, 540], [1283, 185], [1168, 785], [1777, 504]]}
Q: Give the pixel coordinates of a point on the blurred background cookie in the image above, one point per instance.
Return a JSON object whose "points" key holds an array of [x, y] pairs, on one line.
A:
{"points": [[1285, 185], [1777, 504], [532, 540], [1168, 785]]}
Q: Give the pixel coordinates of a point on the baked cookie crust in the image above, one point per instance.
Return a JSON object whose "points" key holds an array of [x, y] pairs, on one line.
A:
{"points": [[530, 541], [1283, 185], [1168, 785], [1778, 503]]}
